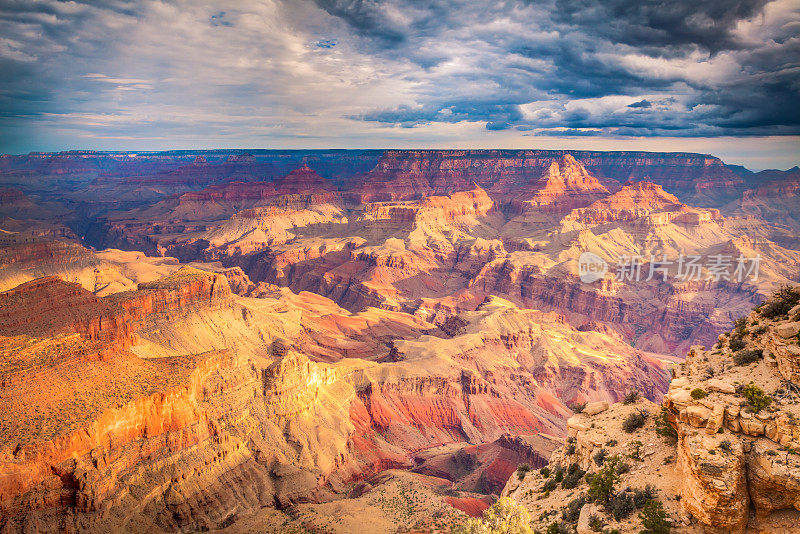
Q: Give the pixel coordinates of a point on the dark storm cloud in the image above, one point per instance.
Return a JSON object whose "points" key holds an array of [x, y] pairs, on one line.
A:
{"points": [[734, 66], [256, 69], [661, 27]]}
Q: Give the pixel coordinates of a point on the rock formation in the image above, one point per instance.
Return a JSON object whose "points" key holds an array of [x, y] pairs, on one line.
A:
{"points": [[302, 339], [730, 465]]}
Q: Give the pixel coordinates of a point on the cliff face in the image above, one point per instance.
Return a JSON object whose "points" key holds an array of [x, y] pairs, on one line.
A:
{"points": [[733, 412], [49, 306], [773, 197], [753, 468], [189, 434], [406, 174], [512, 223]]}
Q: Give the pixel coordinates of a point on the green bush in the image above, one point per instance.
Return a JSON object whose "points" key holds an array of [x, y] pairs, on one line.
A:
{"points": [[641, 496], [545, 472], [783, 300], [595, 523], [600, 457], [573, 477], [522, 470], [622, 505], [631, 397], [601, 486], [577, 407], [756, 397], [736, 343], [740, 326], [634, 421], [573, 509], [664, 428], [550, 485], [557, 527], [559, 475], [698, 393], [654, 518], [746, 357]]}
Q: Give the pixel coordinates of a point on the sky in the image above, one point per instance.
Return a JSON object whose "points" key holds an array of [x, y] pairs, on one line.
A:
{"points": [[712, 76]]}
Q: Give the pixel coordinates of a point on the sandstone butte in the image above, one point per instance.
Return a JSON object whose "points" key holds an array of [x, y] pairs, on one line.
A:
{"points": [[303, 340]]}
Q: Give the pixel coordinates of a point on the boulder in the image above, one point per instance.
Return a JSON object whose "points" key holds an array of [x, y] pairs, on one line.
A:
{"points": [[594, 408], [715, 384], [576, 424], [587, 511], [698, 416], [716, 419], [788, 330]]}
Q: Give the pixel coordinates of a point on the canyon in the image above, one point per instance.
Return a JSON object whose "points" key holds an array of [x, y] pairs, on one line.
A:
{"points": [[719, 454], [222, 340]]}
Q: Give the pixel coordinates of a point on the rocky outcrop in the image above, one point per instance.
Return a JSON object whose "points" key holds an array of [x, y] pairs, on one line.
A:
{"points": [[49, 306], [415, 173], [720, 453], [645, 203], [564, 185], [735, 411]]}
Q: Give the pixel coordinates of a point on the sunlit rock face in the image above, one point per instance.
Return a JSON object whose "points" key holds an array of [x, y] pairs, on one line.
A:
{"points": [[234, 335]]}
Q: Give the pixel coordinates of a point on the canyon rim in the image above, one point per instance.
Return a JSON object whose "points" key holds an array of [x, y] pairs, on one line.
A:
{"points": [[388, 266]]}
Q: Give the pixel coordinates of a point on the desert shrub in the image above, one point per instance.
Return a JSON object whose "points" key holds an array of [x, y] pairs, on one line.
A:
{"points": [[641, 496], [522, 470], [631, 397], [573, 509], [654, 518], [505, 516], [745, 357], [545, 472], [611, 442], [736, 343], [550, 485], [557, 527], [634, 421], [621, 505], [636, 450], [601, 486], [664, 428], [559, 475], [577, 407], [623, 467], [756, 397], [595, 523], [573, 477], [600, 456], [570, 449], [725, 445], [760, 330], [783, 300], [740, 326], [698, 393]]}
